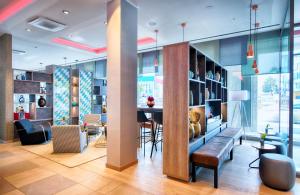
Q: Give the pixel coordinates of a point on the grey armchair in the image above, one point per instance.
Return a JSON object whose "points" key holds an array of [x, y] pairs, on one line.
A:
{"points": [[68, 138]]}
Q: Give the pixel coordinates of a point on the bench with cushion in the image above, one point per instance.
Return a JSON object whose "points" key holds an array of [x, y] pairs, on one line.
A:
{"points": [[212, 155], [235, 133]]}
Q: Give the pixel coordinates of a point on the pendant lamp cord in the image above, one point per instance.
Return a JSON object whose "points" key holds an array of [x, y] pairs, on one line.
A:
{"points": [[250, 21], [256, 30], [156, 40], [183, 26]]}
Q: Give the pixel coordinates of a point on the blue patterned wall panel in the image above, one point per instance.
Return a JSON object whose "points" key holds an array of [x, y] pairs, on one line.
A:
{"points": [[85, 94], [61, 95]]}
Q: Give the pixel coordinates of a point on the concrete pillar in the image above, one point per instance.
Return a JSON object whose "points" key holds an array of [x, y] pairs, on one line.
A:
{"points": [[122, 84], [6, 88]]}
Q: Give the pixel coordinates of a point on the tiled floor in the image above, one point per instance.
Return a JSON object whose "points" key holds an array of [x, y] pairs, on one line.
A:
{"points": [[22, 172]]}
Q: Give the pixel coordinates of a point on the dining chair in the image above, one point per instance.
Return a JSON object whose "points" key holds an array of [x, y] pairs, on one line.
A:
{"points": [[144, 132], [158, 132]]}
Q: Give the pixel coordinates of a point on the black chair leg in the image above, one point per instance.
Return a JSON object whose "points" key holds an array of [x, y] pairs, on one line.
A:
{"points": [[231, 154], [193, 172], [153, 142], [216, 177], [241, 140], [144, 142]]}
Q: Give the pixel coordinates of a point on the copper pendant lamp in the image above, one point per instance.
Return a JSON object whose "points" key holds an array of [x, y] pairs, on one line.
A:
{"points": [[250, 51], [254, 65]]}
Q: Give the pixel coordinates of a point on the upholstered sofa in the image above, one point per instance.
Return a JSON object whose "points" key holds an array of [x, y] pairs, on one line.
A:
{"points": [[68, 138], [30, 134]]}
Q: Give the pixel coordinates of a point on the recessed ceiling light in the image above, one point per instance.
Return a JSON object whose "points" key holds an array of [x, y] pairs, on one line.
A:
{"points": [[28, 29], [152, 23], [35, 47], [66, 12], [209, 6]]}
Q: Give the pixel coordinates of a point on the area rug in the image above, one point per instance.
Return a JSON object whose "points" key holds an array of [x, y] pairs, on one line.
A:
{"points": [[70, 160]]}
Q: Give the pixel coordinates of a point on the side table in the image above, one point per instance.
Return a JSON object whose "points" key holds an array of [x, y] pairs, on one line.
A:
{"points": [[266, 148]]}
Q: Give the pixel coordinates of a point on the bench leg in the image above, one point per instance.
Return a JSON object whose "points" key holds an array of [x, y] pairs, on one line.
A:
{"points": [[216, 177], [231, 154], [193, 172], [241, 140]]}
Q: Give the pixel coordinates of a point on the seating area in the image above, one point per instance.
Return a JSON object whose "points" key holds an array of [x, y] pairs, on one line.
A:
{"points": [[215, 152], [138, 97]]}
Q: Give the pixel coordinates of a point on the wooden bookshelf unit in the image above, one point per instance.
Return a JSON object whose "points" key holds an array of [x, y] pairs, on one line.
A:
{"points": [[188, 76]]}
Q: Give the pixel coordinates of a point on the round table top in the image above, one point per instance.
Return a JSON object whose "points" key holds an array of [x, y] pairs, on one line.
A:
{"points": [[264, 147]]}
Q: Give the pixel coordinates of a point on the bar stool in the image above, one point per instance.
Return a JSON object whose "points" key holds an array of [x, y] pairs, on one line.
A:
{"points": [[143, 121], [158, 119]]}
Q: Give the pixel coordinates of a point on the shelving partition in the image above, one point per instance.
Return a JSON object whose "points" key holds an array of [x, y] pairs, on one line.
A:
{"points": [[192, 82]]}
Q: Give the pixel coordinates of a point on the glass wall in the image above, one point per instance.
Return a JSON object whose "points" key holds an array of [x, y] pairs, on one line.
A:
{"points": [[150, 78]]}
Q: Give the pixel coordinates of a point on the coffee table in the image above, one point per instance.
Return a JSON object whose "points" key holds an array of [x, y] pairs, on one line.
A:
{"points": [[102, 140], [266, 148]]}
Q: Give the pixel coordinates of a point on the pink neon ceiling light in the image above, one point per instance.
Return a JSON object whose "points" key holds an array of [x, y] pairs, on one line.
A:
{"points": [[12, 8], [77, 45]]}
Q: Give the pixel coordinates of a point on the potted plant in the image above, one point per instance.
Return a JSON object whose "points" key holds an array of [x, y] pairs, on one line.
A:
{"points": [[262, 139], [150, 101]]}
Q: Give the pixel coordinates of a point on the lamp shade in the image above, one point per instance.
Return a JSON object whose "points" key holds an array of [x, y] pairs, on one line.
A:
{"points": [[240, 95], [250, 52]]}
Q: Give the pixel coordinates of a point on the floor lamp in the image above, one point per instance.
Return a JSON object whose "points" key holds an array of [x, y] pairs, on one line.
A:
{"points": [[239, 97]]}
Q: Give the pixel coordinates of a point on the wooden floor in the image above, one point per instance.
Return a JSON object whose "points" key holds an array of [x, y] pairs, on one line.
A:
{"points": [[22, 172]]}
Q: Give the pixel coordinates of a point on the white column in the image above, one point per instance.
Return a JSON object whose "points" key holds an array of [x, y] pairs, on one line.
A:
{"points": [[6, 88], [122, 84]]}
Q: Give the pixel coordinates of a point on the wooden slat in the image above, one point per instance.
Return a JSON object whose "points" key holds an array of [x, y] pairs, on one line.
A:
{"points": [[176, 87]]}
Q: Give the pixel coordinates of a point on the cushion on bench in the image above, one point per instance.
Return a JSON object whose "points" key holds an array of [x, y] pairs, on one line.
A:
{"points": [[214, 152]]}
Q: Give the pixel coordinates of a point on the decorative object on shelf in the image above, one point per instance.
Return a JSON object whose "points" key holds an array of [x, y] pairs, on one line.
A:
{"points": [[197, 72], [23, 77], [191, 132], [21, 112], [191, 98], [222, 81], [21, 99], [218, 76], [194, 116], [150, 101], [200, 98], [212, 95], [195, 120], [210, 75], [262, 139], [197, 129], [43, 90], [191, 74], [104, 109], [42, 101], [206, 94], [74, 104]]}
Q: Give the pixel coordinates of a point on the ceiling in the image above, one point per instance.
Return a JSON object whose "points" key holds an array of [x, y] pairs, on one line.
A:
{"points": [[86, 24]]}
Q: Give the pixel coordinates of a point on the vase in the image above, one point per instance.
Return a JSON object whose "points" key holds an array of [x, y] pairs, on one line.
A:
{"points": [[191, 98], [197, 129], [42, 102], [21, 99], [150, 104], [218, 76], [206, 94], [191, 132], [262, 142]]}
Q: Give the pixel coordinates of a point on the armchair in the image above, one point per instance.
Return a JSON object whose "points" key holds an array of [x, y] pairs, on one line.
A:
{"points": [[68, 138], [31, 134]]}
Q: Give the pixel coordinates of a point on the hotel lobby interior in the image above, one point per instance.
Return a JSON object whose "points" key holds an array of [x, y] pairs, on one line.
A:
{"points": [[149, 97]]}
